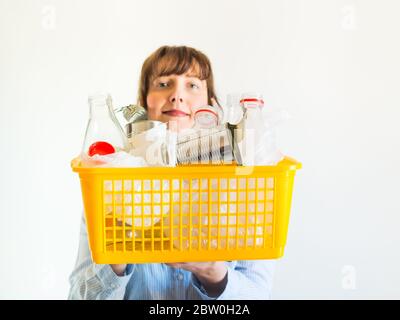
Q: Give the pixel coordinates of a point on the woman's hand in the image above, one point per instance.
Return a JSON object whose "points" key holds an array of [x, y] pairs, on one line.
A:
{"points": [[212, 275], [118, 269]]}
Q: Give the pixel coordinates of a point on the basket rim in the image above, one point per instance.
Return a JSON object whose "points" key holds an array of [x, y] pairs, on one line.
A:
{"points": [[286, 164]]}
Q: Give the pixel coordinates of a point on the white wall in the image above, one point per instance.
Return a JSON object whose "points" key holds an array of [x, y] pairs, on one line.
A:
{"points": [[333, 65]]}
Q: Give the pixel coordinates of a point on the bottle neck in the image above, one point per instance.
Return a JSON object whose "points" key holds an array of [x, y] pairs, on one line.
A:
{"points": [[100, 106], [253, 111]]}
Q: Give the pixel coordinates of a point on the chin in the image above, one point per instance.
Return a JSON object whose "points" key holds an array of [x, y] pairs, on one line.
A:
{"points": [[179, 124]]}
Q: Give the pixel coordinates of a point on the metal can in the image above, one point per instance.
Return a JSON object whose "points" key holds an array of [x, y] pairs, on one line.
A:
{"points": [[133, 113]]}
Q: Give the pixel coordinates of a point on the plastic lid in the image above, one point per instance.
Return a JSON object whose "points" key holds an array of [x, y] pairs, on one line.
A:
{"points": [[251, 100], [206, 118]]}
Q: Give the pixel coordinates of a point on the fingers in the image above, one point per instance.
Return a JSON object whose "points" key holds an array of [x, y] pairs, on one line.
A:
{"points": [[188, 266], [177, 264]]}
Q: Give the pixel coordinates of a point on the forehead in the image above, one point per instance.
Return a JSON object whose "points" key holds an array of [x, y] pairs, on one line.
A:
{"points": [[172, 65]]}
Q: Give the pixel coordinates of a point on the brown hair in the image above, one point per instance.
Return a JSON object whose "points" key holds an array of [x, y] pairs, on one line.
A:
{"points": [[168, 60]]}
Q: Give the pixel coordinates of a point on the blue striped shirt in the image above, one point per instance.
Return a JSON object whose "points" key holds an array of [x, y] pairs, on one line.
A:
{"points": [[156, 281]]}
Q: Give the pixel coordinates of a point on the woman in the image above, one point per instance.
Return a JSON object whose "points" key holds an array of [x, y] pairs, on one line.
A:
{"points": [[173, 81]]}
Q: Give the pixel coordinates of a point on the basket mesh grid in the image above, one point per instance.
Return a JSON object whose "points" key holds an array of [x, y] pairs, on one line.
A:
{"points": [[184, 214]]}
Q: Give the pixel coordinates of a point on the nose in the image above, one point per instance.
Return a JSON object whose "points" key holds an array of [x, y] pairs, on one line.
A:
{"points": [[176, 96]]}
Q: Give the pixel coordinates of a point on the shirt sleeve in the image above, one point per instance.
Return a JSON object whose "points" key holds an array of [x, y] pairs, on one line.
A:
{"points": [[246, 280], [91, 281]]}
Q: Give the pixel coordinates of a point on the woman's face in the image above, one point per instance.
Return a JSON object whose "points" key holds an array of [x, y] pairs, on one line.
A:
{"points": [[172, 98]]}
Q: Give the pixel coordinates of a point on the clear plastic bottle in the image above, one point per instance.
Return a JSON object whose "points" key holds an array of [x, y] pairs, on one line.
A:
{"points": [[104, 134]]}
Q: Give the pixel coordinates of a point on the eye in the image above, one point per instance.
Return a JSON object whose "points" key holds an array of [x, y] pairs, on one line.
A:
{"points": [[194, 86], [162, 84]]}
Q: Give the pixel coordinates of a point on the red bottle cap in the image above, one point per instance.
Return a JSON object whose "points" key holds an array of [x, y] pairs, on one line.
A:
{"points": [[101, 148]]}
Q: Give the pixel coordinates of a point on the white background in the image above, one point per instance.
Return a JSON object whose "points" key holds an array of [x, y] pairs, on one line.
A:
{"points": [[333, 65]]}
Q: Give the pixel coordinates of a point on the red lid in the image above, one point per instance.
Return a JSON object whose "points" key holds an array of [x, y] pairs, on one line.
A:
{"points": [[252, 100]]}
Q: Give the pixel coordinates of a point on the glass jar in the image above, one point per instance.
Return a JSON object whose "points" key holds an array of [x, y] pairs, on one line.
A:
{"points": [[207, 117]]}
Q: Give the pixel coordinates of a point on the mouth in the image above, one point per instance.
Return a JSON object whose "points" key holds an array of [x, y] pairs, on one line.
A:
{"points": [[175, 113]]}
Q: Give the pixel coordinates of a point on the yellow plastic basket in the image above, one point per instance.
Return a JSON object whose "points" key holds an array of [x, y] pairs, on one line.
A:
{"points": [[187, 213]]}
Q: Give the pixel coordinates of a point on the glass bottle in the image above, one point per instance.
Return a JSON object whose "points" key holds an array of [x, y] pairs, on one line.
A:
{"points": [[234, 111], [253, 118], [234, 120], [104, 134], [253, 126]]}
